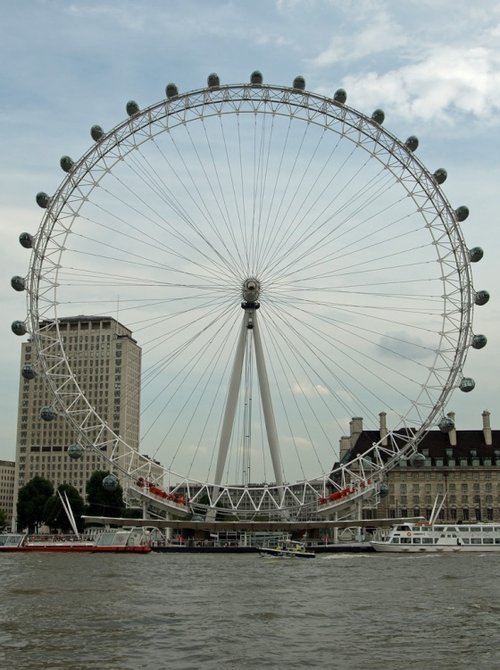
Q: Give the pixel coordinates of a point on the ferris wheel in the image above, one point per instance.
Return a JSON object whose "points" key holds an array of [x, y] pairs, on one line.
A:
{"points": [[285, 263]]}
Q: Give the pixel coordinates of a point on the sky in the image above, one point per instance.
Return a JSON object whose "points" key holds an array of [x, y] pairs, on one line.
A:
{"points": [[433, 66]]}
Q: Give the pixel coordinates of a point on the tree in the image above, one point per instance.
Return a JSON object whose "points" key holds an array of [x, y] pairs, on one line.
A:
{"points": [[100, 501], [3, 519], [31, 503], [54, 514]]}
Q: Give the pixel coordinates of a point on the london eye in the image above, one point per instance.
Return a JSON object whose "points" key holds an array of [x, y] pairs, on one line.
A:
{"points": [[285, 263]]}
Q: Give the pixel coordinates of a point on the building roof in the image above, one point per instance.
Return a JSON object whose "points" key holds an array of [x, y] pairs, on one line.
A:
{"points": [[436, 445]]}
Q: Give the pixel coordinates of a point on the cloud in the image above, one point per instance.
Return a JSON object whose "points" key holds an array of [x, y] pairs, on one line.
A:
{"points": [[309, 390], [434, 62], [402, 344], [379, 35], [300, 443], [449, 80]]}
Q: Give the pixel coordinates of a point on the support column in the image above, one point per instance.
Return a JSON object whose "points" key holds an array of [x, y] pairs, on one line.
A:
{"points": [[232, 398], [267, 405]]}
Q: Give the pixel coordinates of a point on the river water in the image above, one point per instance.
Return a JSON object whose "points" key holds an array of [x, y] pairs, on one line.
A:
{"points": [[163, 611]]}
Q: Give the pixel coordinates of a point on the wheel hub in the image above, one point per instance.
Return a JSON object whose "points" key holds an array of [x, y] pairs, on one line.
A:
{"points": [[250, 290]]}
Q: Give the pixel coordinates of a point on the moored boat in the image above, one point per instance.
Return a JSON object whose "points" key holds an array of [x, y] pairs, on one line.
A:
{"points": [[432, 537], [112, 541], [442, 537]]}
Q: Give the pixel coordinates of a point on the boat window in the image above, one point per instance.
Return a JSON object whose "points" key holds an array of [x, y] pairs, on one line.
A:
{"points": [[113, 538], [395, 540], [475, 540], [487, 540], [427, 540], [10, 540], [405, 540], [417, 540]]}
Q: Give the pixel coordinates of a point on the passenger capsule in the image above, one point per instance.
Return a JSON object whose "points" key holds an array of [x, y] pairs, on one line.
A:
{"points": [[18, 328], [475, 254], [66, 163], [481, 298], [48, 414], [75, 451], [132, 108], [28, 371], [110, 482], [340, 96], [42, 200], [417, 460], [412, 143], [440, 176], [26, 240], [213, 80], [18, 283], [479, 341], [467, 384], [299, 83], [378, 116], [446, 424], [383, 490], [256, 78], [462, 213], [97, 133], [171, 90]]}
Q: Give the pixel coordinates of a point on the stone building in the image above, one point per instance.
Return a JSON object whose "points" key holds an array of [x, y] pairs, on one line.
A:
{"points": [[106, 361], [463, 464], [7, 477]]}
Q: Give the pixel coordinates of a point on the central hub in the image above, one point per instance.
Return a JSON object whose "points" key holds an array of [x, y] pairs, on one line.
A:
{"points": [[250, 290]]}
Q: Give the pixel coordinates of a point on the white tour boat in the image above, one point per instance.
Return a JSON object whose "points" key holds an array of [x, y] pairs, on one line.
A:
{"points": [[432, 537]]}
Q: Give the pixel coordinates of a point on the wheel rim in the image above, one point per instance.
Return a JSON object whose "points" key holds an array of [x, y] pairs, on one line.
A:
{"points": [[172, 211]]}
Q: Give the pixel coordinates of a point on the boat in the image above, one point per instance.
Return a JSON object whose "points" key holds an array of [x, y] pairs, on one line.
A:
{"points": [[119, 541], [288, 550], [116, 541], [432, 537]]}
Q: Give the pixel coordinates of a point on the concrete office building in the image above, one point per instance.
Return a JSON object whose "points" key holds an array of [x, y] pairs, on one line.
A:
{"points": [[106, 361], [7, 478]]}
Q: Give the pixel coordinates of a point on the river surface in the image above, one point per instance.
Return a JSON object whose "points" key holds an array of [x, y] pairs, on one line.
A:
{"points": [[162, 611]]}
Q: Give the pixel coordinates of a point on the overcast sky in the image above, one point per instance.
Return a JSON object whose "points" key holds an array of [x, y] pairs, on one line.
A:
{"points": [[433, 66]]}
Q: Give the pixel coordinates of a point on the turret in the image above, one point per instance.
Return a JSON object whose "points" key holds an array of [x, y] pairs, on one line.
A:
{"points": [[488, 438], [383, 428], [344, 446], [356, 427], [452, 434]]}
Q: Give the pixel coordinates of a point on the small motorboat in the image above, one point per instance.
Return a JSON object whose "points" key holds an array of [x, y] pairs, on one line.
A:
{"points": [[288, 550]]}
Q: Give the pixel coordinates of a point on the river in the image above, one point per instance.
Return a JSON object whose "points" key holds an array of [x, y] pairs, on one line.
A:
{"points": [[171, 611]]}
